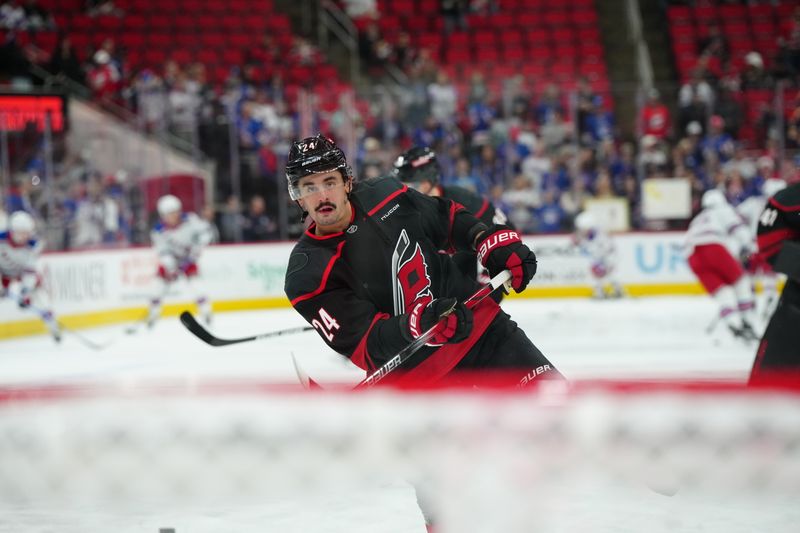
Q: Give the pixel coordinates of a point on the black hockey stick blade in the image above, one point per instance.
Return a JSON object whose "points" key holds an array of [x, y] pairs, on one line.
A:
{"points": [[197, 329]]}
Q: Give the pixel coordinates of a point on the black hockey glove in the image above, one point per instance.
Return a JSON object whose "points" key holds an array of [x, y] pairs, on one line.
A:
{"points": [[455, 326], [501, 248]]}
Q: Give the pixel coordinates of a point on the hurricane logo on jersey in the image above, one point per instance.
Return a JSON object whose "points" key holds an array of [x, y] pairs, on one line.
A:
{"points": [[411, 279]]}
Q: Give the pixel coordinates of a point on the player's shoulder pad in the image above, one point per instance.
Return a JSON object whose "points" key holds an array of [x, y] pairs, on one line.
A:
{"points": [[471, 201], [306, 268], [374, 191], [788, 197]]}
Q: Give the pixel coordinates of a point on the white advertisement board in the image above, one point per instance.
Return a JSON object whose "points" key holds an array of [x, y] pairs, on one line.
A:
{"points": [[252, 276]]}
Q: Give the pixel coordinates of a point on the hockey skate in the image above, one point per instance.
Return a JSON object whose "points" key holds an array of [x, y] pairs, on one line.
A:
{"points": [[744, 332], [52, 326]]}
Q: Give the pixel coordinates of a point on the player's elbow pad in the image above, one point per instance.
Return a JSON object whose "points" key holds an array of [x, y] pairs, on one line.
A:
{"points": [[466, 229]]}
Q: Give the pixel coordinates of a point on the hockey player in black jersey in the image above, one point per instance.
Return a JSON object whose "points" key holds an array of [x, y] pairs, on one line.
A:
{"points": [[417, 168], [778, 355], [369, 274]]}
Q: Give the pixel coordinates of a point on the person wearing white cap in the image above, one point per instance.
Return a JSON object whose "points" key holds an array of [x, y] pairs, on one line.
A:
{"points": [[20, 249]]}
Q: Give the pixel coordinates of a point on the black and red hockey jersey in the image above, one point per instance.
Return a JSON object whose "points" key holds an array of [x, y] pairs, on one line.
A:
{"points": [[355, 286], [479, 206], [779, 222]]}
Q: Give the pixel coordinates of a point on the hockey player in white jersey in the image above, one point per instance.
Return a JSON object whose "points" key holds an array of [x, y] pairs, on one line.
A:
{"points": [[750, 210], [19, 279], [595, 243], [716, 239], [178, 239]]}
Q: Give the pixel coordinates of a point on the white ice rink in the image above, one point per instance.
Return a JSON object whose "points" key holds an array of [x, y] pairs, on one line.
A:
{"points": [[632, 338]]}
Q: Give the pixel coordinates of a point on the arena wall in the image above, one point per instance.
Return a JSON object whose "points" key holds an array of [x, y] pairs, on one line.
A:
{"points": [[92, 288]]}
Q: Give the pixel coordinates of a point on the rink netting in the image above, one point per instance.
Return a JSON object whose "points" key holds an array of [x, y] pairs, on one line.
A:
{"points": [[484, 459]]}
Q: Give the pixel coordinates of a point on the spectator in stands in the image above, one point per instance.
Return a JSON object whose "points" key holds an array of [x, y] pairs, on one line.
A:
{"points": [[12, 15], [573, 200], [551, 217], [13, 62], [585, 103], [210, 216], [95, 8], [490, 166], [480, 117], [65, 62], [104, 77], [257, 225], [150, 100], [96, 218], [38, 18], [465, 178], [267, 53], [520, 201], [714, 44], [549, 105], [555, 132], [231, 220], [454, 14], [536, 165], [403, 51], [599, 124], [477, 91], [182, 111], [516, 98], [654, 117], [368, 40], [717, 145], [652, 156], [443, 99], [793, 123], [754, 75], [790, 45], [728, 107], [695, 100]]}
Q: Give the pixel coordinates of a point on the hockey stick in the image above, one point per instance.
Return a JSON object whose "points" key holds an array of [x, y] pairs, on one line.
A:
{"points": [[405, 354], [197, 329], [48, 318]]}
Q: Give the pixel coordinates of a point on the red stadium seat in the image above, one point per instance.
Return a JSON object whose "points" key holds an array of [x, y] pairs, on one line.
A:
{"points": [[705, 15], [680, 16], [760, 13]]}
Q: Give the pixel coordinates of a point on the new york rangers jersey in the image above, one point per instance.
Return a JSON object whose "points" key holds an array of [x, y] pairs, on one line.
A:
{"points": [[720, 225], [18, 261], [182, 243]]}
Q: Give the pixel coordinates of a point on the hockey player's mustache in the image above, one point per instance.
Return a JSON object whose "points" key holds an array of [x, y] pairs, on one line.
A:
{"points": [[324, 204]]}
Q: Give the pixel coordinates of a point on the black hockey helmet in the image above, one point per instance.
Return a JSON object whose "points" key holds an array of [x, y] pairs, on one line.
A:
{"points": [[416, 165], [311, 156]]}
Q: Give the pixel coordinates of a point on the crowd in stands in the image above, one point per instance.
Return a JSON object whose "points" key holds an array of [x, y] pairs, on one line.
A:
{"points": [[538, 154]]}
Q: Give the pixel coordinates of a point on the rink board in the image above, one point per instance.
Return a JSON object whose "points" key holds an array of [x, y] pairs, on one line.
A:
{"points": [[91, 288]]}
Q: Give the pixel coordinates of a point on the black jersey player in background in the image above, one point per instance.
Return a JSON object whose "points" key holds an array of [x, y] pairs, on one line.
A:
{"points": [[417, 168], [369, 274], [778, 355]]}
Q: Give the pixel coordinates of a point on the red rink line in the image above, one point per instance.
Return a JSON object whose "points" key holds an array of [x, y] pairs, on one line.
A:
{"points": [[489, 385]]}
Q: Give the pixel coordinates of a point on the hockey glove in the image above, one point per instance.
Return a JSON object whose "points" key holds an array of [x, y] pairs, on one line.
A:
{"points": [[455, 326], [501, 248]]}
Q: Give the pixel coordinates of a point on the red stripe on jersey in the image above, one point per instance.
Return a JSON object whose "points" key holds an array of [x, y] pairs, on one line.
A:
{"points": [[769, 243], [360, 356], [784, 207], [324, 277], [483, 208], [455, 207], [387, 200]]}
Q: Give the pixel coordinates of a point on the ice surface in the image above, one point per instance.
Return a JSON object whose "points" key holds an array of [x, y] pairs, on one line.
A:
{"points": [[632, 338]]}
